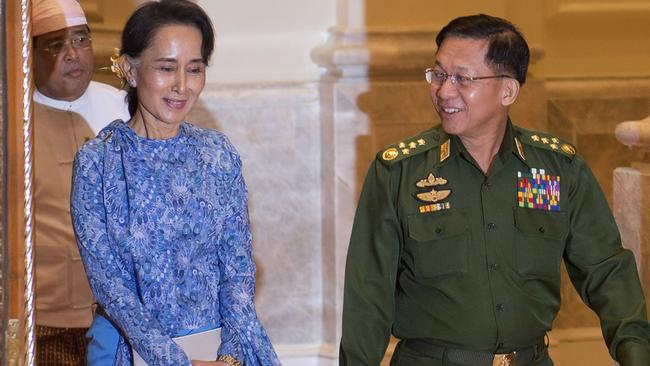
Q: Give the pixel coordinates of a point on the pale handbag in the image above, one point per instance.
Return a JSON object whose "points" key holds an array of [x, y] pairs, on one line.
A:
{"points": [[199, 346]]}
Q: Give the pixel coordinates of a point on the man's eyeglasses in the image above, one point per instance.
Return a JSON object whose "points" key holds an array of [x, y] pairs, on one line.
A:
{"points": [[437, 78], [78, 42]]}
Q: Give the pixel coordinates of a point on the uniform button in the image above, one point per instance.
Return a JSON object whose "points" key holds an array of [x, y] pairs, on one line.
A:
{"points": [[492, 226], [500, 345], [487, 184], [438, 230], [500, 307], [494, 266], [541, 229]]}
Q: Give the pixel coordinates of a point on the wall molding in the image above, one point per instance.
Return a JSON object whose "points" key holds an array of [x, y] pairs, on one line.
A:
{"points": [[588, 7], [382, 51], [568, 12], [597, 87]]}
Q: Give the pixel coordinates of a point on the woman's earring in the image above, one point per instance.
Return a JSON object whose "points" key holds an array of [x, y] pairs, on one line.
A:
{"points": [[132, 83]]}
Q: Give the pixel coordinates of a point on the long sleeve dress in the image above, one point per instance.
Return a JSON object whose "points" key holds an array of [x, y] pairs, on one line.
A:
{"points": [[163, 231]]}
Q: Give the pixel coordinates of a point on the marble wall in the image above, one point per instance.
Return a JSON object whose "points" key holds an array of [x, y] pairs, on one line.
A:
{"points": [[276, 129]]}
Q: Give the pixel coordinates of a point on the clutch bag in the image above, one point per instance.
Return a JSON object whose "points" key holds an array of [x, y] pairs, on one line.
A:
{"points": [[201, 346]]}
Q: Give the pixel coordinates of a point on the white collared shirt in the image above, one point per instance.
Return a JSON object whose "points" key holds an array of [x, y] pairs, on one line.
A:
{"points": [[100, 105]]}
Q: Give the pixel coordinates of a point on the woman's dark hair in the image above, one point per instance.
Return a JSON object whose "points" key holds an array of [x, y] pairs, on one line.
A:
{"points": [[507, 48], [141, 28]]}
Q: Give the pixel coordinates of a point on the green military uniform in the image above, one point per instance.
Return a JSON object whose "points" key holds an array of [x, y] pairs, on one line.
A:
{"points": [[444, 254]]}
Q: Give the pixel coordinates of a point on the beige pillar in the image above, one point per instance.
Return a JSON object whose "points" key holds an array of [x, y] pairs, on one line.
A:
{"points": [[631, 197]]}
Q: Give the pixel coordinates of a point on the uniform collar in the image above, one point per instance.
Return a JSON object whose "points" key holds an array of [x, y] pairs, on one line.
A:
{"points": [[510, 145], [63, 105]]}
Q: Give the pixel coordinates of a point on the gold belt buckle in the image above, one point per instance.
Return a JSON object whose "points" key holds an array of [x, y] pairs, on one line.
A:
{"points": [[505, 359]]}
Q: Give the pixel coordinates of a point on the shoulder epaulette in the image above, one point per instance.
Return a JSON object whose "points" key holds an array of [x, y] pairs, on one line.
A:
{"points": [[546, 141], [425, 141]]}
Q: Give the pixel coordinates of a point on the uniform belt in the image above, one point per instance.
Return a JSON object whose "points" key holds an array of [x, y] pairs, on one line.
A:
{"points": [[521, 357]]}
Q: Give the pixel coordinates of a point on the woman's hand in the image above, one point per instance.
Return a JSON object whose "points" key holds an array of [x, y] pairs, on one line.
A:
{"points": [[209, 363]]}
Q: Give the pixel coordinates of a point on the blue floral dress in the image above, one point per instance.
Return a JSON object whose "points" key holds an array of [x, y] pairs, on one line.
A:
{"points": [[163, 231]]}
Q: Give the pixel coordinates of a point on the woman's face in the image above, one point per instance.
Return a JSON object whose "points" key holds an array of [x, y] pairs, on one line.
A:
{"points": [[170, 75]]}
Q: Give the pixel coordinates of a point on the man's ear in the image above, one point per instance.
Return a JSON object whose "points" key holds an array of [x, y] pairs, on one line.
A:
{"points": [[129, 70], [510, 89]]}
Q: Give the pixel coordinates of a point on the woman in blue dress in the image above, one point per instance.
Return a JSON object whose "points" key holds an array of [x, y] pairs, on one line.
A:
{"points": [[159, 208]]}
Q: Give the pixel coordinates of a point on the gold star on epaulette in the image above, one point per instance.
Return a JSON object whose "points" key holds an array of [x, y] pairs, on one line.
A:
{"points": [[534, 138], [553, 146], [555, 140], [409, 147], [545, 140]]}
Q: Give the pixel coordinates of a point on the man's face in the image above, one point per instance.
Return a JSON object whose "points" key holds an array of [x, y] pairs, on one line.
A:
{"points": [[468, 110], [63, 62]]}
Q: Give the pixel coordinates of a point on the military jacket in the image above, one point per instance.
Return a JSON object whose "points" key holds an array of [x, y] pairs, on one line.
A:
{"points": [[440, 250]]}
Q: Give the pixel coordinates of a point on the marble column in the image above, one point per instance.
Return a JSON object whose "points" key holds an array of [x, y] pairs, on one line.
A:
{"points": [[370, 95], [631, 198]]}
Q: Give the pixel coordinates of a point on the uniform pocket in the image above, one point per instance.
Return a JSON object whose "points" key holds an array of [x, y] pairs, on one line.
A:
{"points": [[439, 241], [540, 241]]}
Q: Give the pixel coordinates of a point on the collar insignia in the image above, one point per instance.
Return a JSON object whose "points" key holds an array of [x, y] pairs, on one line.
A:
{"points": [[520, 149], [445, 150]]}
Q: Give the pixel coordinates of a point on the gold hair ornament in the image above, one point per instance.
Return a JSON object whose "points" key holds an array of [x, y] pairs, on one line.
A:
{"points": [[116, 69]]}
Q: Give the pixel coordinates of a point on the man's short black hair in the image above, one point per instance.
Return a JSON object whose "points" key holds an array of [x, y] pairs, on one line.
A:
{"points": [[507, 51]]}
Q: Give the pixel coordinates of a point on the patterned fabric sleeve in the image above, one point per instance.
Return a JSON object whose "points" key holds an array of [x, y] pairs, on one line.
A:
{"points": [[243, 336], [107, 267]]}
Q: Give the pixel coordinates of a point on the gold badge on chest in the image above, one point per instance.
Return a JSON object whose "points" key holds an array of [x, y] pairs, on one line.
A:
{"points": [[433, 196]]}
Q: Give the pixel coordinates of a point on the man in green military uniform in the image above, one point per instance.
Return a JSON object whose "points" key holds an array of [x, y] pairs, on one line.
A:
{"points": [[460, 231]]}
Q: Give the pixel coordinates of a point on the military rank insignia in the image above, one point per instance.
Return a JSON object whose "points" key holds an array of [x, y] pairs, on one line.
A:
{"points": [[433, 195], [538, 190]]}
